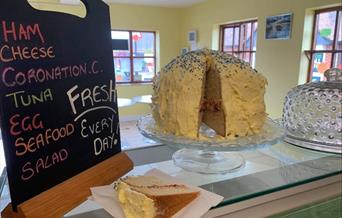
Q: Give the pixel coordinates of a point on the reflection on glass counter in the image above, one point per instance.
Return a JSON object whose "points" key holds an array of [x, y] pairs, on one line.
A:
{"points": [[267, 170]]}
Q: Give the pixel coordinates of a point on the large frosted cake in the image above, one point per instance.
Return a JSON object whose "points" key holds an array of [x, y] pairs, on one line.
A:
{"points": [[210, 87]]}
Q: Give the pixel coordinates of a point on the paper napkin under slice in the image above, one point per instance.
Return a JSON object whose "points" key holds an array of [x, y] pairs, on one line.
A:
{"points": [[105, 196]]}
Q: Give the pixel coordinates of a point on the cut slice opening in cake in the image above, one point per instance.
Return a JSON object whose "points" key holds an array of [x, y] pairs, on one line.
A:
{"points": [[211, 105]]}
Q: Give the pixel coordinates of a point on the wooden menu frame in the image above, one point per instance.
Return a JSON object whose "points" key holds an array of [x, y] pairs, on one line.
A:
{"points": [[60, 199]]}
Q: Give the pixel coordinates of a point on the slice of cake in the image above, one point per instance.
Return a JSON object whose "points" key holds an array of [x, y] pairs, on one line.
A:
{"points": [[150, 197], [212, 87]]}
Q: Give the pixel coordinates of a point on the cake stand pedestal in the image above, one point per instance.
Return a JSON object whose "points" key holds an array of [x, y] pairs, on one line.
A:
{"points": [[211, 154], [208, 162]]}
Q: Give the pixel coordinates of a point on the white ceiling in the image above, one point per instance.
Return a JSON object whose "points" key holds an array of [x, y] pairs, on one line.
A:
{"points": [[161, 3]]}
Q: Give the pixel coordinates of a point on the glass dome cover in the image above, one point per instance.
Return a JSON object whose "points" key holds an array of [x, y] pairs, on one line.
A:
{"points": [[312, 115]]}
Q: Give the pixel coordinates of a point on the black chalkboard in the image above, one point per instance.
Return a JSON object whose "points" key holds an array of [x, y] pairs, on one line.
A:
{"points": [[57, 90]]}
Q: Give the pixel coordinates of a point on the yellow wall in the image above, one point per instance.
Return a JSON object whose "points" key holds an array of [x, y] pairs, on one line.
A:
{"points": [[281, 61], [278, 60], [165, 21]]}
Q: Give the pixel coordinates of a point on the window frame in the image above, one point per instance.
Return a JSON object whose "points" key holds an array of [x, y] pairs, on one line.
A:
{"points": [[239, 51], [311, 53], [131, 57]]}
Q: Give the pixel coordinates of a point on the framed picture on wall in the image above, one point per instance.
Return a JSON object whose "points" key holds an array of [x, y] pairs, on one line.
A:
{"points": [[192, 36], [278, 26]]}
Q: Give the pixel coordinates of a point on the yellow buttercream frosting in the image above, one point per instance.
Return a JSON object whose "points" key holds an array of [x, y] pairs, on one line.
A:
{"points": [[150, 197], [179, 91], [135, 204]]}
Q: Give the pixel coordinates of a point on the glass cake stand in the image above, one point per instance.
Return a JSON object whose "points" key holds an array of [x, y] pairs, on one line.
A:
{"points": [[211, 153]]}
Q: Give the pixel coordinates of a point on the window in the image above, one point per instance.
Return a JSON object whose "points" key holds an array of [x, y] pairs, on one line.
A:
{"points": [[239, 39], [134, 54], [326, 47]]}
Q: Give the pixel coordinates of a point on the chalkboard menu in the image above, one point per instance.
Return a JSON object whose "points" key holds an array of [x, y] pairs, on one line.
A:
{"points": [[57, 91]]}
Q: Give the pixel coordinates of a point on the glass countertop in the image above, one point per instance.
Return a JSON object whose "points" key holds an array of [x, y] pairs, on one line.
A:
{"points": [[289, 166], [267, 170]]}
